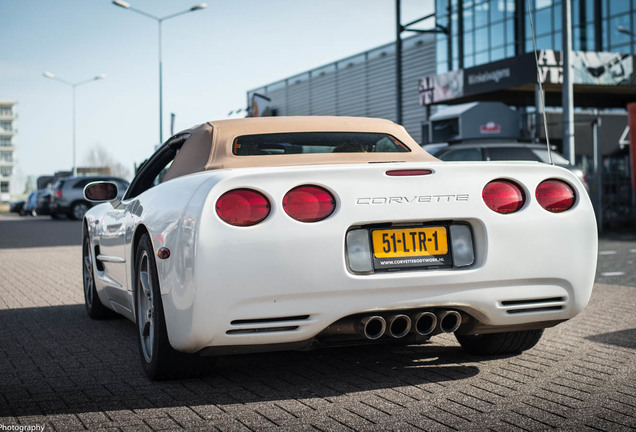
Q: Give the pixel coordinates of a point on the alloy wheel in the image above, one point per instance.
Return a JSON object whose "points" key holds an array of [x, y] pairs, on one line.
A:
{"points": [[79, 210], [87, 270], [145, 308]]}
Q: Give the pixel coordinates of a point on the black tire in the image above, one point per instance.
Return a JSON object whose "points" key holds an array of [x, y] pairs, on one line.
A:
{"points": [[159, 360], [78, 210], [500, 343], [94, 306]]}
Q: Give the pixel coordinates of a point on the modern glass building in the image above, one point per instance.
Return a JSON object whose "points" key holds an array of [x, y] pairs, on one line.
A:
{"points": [[485, 31]]}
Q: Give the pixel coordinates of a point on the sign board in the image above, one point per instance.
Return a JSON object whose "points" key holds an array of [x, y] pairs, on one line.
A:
{"points": [[589, 68]]}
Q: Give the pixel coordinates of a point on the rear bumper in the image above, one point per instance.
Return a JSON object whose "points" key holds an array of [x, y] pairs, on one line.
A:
{"points": [[262, 321], [249, 286], [253, 293]]}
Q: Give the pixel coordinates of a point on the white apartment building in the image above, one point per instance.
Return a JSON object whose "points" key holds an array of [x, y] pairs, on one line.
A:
{"points": [[7, 132]]}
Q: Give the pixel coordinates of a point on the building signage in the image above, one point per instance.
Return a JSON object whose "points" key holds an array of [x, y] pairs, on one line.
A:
{"points": [[590, 68]]}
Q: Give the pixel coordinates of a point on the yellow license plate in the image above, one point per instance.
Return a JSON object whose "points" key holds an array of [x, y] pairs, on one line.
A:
{"points": [[409, 242]]}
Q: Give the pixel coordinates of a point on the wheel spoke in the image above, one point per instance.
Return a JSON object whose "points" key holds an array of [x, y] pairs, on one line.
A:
{"points": [[145, 283]]}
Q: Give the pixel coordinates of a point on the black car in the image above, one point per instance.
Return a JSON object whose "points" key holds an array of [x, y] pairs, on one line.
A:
{"points": [[43, 203], [16, 206]]}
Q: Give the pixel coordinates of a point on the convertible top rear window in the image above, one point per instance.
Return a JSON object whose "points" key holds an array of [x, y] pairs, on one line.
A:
{"points": [[316, 142]]}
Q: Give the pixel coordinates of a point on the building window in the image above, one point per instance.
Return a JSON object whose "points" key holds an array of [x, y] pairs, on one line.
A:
{"points": [[6, 157], [6, 111], [5, 141], [5, 171], [4, 187], [6, 126]]}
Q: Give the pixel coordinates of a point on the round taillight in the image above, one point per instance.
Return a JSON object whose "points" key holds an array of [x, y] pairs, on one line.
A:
{"points": [[503, 196], [555, 196], [242, 207], [309, 203]]}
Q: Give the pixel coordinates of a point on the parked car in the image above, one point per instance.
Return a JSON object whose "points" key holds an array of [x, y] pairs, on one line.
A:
{"points": [[28, 205], [481, 151], [16, 206], [67, 197], [43, 203], [35, 199], [283, 233]]}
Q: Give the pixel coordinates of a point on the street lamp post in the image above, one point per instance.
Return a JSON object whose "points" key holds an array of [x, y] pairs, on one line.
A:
{"points": [[159, 20], [74, 86]]}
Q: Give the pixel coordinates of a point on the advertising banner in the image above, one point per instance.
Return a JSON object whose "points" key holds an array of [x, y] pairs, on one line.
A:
{"points": [[589, 68]]}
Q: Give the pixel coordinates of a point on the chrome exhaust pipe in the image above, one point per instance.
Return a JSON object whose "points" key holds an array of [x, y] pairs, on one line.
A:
{"points": [[373, 327], [399, 325], [425, 323], [449, 320]]}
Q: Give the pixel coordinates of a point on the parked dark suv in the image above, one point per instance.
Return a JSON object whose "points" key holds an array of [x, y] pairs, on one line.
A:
{"points": [[68, 195]]}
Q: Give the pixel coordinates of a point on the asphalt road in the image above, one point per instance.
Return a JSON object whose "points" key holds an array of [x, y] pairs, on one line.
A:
{"points": [[61, 371]]}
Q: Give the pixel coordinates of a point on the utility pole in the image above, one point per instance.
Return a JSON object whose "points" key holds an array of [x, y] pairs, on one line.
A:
{"points": [[568, 88], [399, 28], [398, 62]]}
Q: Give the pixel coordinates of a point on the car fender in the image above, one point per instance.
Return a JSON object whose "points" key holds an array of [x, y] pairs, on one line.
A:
{"points": [[171, 214]]}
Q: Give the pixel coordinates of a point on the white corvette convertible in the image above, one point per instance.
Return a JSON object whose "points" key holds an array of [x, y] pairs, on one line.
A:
{"points": [[300, 232]]}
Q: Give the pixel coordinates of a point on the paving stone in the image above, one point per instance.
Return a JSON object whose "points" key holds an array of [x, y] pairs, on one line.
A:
{"points": [[61, 369]]}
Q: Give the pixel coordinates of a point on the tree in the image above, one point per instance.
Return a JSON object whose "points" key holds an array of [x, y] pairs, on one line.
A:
{"points": [[99, 157]]}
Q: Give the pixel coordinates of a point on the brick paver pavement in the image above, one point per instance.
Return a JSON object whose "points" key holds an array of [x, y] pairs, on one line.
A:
{"points": [[65, 372]]}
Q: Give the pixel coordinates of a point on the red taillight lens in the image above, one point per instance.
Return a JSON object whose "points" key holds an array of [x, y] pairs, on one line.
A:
{"points": [[555, 196], [503, 196], [242, 207], [309, 203], [58, 193]]}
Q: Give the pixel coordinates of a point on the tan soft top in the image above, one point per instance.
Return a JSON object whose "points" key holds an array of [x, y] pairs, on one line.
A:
{"points": [[210, 145]]}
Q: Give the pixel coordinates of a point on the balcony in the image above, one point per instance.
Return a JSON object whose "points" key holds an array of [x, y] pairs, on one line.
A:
{"points": [[4, 132]]}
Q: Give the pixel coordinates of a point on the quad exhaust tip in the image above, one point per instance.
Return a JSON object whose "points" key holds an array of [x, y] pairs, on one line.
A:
{"points": [[373, 327], [449, 321], [425, 323], [399, 326]]}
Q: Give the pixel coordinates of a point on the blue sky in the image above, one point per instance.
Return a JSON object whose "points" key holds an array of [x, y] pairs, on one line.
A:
{"points": [[211, 58]]}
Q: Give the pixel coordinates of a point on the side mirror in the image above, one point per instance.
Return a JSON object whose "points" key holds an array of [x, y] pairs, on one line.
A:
{"points": [[101, 191]]}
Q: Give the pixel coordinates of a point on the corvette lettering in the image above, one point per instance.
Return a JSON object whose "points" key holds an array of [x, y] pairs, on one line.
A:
{"points": [[412, 199]]}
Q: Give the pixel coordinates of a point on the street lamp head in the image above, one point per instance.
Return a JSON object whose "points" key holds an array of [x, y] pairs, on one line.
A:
{"points": [[121, 3], [198, 7], [48, 75], [100, 76]]}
